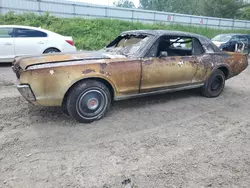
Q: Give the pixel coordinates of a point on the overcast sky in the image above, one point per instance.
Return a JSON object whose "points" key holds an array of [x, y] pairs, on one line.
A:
{"points": [[105, 2]]}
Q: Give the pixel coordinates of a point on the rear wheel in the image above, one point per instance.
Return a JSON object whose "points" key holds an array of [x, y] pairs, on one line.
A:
{"points": [[214, 84], [51, 50], [88, 101]]}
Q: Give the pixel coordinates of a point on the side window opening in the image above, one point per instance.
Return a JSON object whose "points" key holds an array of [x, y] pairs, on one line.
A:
{"points": [[28, 33], [6, 32], [197, 47], [176, 46], [234, 38]]}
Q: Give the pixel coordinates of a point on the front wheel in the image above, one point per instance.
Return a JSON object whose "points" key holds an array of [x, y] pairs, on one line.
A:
{"points": [[214, 85], [88, 101]]}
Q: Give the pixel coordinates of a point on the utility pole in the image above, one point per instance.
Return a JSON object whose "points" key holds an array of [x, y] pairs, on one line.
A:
{"points": [[1, 7]]}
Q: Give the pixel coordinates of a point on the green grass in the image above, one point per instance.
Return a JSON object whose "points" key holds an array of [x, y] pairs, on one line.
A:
{"points": [[92, 34]]}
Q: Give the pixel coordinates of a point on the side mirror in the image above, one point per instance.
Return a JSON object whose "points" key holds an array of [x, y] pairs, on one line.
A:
{"points": [[163, 54]]}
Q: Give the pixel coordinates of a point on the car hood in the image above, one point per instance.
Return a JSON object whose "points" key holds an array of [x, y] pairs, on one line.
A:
{"points": [[26, 61]]}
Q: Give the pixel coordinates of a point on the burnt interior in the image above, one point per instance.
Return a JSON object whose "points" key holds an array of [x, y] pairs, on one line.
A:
{"points": [[176, 46]]}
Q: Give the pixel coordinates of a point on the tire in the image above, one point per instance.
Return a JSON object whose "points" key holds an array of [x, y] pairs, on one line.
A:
{"points": [[88, 101], [214, 85], [64, 110], [51, 50]]}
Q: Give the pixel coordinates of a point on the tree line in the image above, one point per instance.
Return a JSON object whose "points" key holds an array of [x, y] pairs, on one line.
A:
{"points": [[233, 9]]}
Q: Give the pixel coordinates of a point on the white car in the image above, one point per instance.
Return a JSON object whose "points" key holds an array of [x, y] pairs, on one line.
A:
{"points": [[23, 40]]}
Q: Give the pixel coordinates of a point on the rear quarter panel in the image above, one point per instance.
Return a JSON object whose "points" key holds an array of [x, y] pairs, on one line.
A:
{"points": [[235, 62]]}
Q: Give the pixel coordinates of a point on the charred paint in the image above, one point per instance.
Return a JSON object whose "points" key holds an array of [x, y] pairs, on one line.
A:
{"points": [[172, 59], [237, 63], [105, 73], [205, 62], [103, 65], [193, 62], [148, 62], [187, 58], [87, 71]]}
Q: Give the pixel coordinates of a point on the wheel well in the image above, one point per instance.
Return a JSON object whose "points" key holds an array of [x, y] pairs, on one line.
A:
{"points": [[225, 71], [52, 48], [105, 82]]}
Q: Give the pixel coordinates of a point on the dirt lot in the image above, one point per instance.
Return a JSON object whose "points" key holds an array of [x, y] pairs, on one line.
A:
{"points": [[172, 140]]}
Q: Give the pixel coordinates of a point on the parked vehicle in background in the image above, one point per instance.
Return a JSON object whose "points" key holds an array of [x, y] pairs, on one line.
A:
{"points": [[232, 42], [23, 40], [180, 44], [136, 63]]}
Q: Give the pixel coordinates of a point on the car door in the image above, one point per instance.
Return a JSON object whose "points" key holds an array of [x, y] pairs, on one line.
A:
{"points": [[7, 46], [177, 69], [29, 41]]}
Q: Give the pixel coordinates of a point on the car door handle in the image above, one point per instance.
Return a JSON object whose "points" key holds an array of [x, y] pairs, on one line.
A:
{"points": [[41, 42], [8, 44]]}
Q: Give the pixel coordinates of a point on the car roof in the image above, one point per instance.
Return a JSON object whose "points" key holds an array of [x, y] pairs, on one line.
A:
{"points": [[232, 34], [21, 26], [29, 27], [159, 33]]}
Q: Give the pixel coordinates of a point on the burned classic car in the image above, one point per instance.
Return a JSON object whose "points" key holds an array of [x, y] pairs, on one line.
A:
{"points": [[136, 63]]}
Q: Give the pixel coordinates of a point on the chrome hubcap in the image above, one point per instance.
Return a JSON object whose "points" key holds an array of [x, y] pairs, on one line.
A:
{"points": [[91, 103]]}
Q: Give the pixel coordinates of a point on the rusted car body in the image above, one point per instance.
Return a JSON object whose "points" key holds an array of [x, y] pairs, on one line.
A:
{"points": [[136, 63]]}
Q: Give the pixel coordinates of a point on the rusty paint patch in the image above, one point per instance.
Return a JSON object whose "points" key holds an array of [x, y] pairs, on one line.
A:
{"points": [[148, 62], [87, 71], [187, 58], [105, 73], [103, 65]]}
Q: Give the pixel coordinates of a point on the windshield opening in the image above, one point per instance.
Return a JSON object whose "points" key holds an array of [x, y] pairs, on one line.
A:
{"points": [[222, 38], [128, 45]]}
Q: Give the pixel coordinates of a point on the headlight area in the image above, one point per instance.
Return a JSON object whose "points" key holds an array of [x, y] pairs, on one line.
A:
{"points": [[26, 92]]}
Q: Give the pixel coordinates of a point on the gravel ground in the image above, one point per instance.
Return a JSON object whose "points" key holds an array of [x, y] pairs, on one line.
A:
{"points": [[172, 140]]}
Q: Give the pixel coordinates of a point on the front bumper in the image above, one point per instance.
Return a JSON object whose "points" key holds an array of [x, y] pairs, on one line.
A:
{"points": [[26, 92]]}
